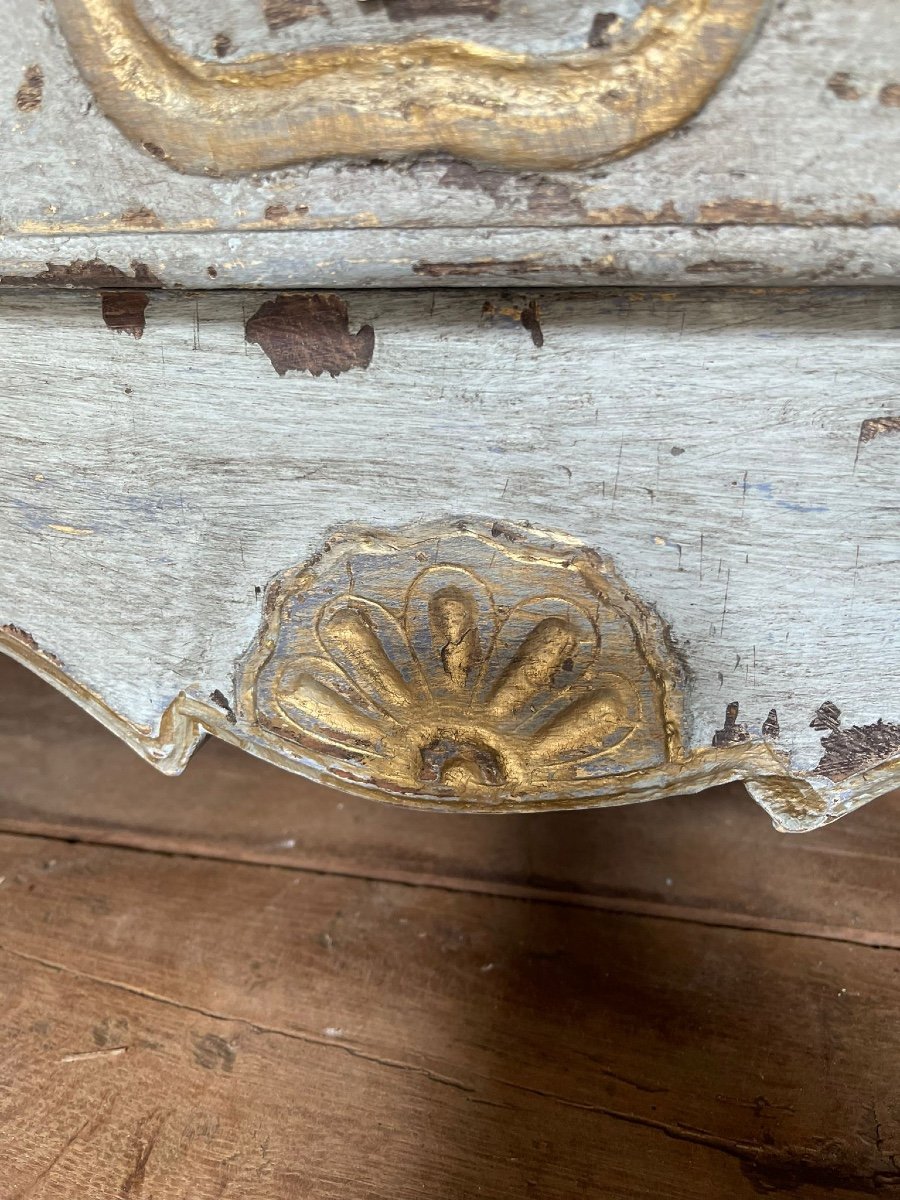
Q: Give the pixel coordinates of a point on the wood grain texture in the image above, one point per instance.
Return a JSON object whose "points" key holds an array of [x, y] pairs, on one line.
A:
{"points": [[649, 256], [761, 155], [712, 860], [710, 444], [306, 1035]]}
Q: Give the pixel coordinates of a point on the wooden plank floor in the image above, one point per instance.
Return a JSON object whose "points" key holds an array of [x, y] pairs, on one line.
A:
{"points": [[239, 985]]}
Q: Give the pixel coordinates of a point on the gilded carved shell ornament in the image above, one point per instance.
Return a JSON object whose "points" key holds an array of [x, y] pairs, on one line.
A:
{"points": [[470, 665], [422, 95], [463, 664]]}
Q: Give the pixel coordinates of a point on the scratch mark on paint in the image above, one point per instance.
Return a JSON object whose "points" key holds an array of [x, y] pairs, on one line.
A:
{"points": [[618, 470]]}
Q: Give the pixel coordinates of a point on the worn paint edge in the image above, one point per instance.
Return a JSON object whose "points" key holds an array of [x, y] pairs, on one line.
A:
{"points": [[764, 771], [756, 256]]}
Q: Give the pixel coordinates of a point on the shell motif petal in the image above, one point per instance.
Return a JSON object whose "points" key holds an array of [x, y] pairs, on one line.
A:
{"points": [[313, 698], [451, 625], [595, 723], [544, 646], [370, 646]]}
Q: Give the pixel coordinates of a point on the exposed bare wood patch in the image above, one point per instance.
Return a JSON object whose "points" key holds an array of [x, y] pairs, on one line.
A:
{"points": [[31, 90], [770, 726], [483, 267], [141, 217], [281, 212], [527, 315], [310, 333], [601, 27], [531, 320], [715, 266], [87, 273], [21, 635], [155, 151], [218, 697], [409, 10], [123, 312], [828, 716], [222, 45], [876, 427], [469, 178], [279, 14], [889, 95], [27, 639], [854, 748], [739, 212], [731, 731], [842, 86], [551, 198]]}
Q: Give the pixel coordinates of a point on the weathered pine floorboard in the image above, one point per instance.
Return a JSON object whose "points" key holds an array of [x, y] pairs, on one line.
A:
{"points": [[387, 1004]]}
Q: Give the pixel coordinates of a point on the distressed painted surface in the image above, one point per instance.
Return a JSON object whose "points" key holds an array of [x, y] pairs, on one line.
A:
{"points": [[762, 153], [760, 256], [734, 454]]}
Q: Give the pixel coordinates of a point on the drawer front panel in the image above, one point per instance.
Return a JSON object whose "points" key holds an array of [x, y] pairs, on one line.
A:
{"points": [[680, 508]]}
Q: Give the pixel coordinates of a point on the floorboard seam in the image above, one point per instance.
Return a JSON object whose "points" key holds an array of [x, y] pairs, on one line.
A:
{"points": [[757, 1161], [521, 893]]}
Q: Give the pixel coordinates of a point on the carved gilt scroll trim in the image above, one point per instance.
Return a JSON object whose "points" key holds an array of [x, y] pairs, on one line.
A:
{"points": [[392, 100]]}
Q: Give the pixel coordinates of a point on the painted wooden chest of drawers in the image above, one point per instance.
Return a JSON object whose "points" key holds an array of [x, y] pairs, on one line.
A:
{"points": [[478, 405]]}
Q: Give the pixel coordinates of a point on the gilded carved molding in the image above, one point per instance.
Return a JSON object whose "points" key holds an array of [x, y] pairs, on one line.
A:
{"points": [[399, 99]]}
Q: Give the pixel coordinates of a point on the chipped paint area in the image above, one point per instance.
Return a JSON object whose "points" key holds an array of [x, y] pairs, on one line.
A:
{"points": [[86, 273], [281, 14], [411, 10], [526, 315], [876, 427], [310, 333], [124, 311], [850, 749], [31, 90]]}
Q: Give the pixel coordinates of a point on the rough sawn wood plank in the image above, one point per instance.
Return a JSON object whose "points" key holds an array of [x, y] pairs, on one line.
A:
{"points": [[204, 1029]]}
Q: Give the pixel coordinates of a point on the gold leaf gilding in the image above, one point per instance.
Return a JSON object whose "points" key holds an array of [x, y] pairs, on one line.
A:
{"points": [[398, 99]]}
